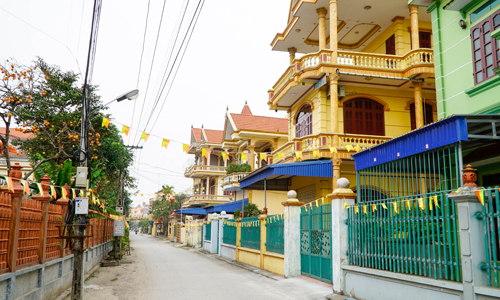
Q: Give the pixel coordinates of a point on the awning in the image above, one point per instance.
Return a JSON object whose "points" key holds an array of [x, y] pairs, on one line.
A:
{"points": [[227, 207], [191, 211], [474, 130], [278, 175]]}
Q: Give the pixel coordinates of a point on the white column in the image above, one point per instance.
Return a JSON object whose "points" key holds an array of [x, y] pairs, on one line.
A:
{"points": [[222, 217], [339, 231], [292, 235], [214, 238], [207, 188]]}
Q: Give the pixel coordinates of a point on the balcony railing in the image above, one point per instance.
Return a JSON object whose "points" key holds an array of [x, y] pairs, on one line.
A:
{"points": [[202, 168], [213, 199], [325, 140], [383, 61], [234, 178]]}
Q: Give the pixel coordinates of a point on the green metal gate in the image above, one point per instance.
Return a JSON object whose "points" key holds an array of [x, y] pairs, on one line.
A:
{"points": [[315, 242]]}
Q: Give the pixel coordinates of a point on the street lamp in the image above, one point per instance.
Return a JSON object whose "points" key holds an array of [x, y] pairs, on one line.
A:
{"points": [[132, 95]]}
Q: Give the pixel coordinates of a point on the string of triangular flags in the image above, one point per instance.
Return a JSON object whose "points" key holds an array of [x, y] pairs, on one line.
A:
{"points": [[66, 193]]}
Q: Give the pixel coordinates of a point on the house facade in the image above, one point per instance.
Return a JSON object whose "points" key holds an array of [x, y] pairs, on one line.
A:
{"points": [[467, 55]]}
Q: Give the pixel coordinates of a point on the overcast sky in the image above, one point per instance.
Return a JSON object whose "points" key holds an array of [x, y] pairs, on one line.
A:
{"points": [[228, 60]]}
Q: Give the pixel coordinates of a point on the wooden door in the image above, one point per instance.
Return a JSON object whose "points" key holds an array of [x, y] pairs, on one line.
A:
{"points": [[425, 39], [390, 45]]}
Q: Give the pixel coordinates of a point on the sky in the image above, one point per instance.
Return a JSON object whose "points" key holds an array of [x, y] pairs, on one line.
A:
{"points": [[228, 61]]}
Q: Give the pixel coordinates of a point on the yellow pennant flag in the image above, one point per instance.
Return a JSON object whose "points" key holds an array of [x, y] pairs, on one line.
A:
{"points": [[315, 153], [436, 203], [281, 155], [408, 204], [64, 193], [430, 203], [384, 206], [348, 147], [262, 156], [10, 184], [298, 154], [74, 193], [53, 192], [185, 148], [204, 152], [305, 208], [364, 209], [284, 216], [244, 157], [480, 196], [26, 187], [316, 202], [164, 143], [224, 156], [105, 122], [333, 149], [421, 203], [145, 136], [345, 204], [125, 129], [395, 207], [358, 148], [374, 207], [355, 209]]}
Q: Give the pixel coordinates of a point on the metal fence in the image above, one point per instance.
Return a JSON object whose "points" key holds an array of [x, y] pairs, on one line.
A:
{"points": [[250, 235], [275, 228], [491, 223], [230, 230], [415, 235], [208, 231]]}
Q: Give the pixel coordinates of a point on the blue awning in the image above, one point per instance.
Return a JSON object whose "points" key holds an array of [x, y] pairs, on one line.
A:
{"points": [[191, 211], [277, 175], [472, 129], [227, 207]]}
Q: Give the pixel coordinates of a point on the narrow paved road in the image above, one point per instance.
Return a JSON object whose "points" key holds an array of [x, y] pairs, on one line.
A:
{"points": [[161, 271]]}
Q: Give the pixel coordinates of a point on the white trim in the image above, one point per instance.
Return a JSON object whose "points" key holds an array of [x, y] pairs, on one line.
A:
{"points": [[451, 97]]}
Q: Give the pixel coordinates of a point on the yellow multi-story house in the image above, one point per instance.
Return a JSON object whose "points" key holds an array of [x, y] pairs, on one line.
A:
{"points": [[208, 169], [359, 73]]}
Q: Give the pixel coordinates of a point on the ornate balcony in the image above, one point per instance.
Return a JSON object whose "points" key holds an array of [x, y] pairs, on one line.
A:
{"points": [[207, 200], [231, 182], [323, 143], [200, 171], [315, 65]]}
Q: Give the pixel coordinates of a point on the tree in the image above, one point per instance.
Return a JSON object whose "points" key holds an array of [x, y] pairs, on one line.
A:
{"points": [[16, 87], [250, 210]]}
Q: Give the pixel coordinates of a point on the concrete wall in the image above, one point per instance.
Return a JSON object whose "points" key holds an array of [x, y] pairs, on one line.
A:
{"points": [[207, 245], [47, 281], [228, 251]]}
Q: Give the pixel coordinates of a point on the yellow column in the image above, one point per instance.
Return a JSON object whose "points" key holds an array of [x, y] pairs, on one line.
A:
{"points": [[238, 238], [419, 112], [415, 42], [399, 35], [263, 239], [251, 159], [333, 29], [292, 52], [322, 27], [334, 106], [336, 171]]}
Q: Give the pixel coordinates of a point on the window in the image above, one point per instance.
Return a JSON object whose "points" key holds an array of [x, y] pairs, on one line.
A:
{"points": [[485, 49], [390, 45], [483, 9], [303, 123], [425, 39], [364, 116], [428, 116]]}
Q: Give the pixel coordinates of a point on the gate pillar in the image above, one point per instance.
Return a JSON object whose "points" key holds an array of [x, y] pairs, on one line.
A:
{"points": [[291, 236], [340, 197]]}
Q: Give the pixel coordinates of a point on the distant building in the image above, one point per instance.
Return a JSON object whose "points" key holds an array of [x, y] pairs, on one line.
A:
{"points": [[16, 155]]}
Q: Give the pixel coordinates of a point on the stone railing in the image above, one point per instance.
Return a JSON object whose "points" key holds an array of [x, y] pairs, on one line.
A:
{"points": [[284, 79], [202, 168], [384, 61], [286, 149], [234, 178], [361, 140], [207, 199]]}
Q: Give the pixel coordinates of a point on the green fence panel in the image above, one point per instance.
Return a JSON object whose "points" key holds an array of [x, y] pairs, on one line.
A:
{"points": [[250, 235], [208, 232], [275, 228], [229, 232], [491, 223], [408, 240]]}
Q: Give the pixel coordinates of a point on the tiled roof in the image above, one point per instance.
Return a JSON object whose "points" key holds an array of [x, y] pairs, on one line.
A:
{"points": [[197, 134], [16, 134], [251, 122], [214, 136]]}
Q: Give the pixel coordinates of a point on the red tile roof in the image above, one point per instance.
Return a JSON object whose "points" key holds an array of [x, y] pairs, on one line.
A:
{"points": [[251, 122], [214, 136], [16, 134], [197, 134]]}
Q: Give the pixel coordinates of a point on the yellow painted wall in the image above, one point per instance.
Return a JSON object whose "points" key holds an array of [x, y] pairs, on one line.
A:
{"points": [[323, 185], [274, 264], [274, 199], [249, 256], [378, 44]]}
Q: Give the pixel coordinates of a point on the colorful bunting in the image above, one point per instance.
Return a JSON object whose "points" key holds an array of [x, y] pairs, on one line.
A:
{"points": [[26, 187], [364, 210], [358, 148], [430, 204], [384, 206], [224, 156], [436, 203], [421, 203], [10, 184], [374, 207], [64, 193], [185, 148], [105, 122], [315, 153], [281, 155], [355, 209], [395, 207], [480, 196], [125, 129], [204, 152], [145, 136], [333, 149], [262, 156], [164, 143], [53, 192], [348, 147], [298, 154], [345, 204], [408, 204], [40, 189]]}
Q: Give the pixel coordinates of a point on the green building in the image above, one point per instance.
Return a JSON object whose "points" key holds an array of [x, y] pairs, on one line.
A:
{"points": [[466, 55]]}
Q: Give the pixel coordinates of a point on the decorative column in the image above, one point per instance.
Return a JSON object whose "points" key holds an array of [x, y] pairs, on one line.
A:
{"points": [[214, 238], [251, 159], [333, 30], [415, 36], [334, 107], [399, 35], [472, 234], [15, 195], [419, 112], [291, 235], [322, 27], [292, 52], [42, 242], [222, 217], [339, 230], [207, 187]]}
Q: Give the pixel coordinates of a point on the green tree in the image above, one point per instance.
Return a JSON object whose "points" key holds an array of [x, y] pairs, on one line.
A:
{"points": [[250, 210]]}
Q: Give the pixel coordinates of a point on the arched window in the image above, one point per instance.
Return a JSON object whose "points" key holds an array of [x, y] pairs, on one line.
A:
{"points": [[428, 117], [364, 116], [303, 122]]}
